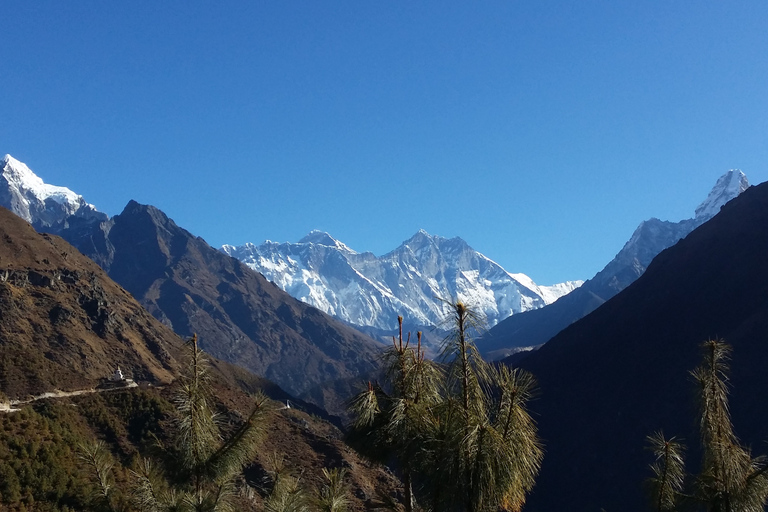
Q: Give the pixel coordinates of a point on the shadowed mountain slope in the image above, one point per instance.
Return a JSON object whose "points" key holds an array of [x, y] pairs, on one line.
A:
{"points": [[239, 315], [622, 372]]}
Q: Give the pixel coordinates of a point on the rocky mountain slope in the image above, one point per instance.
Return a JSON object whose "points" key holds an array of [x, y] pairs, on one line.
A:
{"points": [[649, 239], [369, 291], [239, 316], [622, 372], [65, 323]]}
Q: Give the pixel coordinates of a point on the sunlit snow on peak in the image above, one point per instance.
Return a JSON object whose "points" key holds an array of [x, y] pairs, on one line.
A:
{"points": [[36, 201], [371, 291], [322, 238], [730, 185]]}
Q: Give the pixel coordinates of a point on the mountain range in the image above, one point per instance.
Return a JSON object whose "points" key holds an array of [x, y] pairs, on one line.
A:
{"points": [[652, 236], [369, 291], [611, 376]]}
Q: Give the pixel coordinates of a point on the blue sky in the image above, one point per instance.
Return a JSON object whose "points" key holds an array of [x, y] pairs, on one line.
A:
{"points": [[542, 132]]}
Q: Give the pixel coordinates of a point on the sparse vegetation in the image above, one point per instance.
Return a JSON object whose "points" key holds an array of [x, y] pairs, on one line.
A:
{"points": [[122, 451]]}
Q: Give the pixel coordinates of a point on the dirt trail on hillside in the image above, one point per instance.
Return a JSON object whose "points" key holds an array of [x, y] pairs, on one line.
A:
{"points": [[12, 406]]}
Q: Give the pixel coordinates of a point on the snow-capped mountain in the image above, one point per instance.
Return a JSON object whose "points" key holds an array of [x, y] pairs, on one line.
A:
{"points": [[648, 240], [653, 236], [194, 288], [728, 186], [40, 204], [371, 291]]}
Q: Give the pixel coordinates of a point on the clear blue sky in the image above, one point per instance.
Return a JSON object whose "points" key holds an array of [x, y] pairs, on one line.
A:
{"points": [[542, 132]]}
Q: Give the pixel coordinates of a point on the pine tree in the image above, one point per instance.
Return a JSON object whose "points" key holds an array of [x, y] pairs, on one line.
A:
{"points": [[208, 462], [668, 472], [333, 496], [100, 463], [731, 480], [487, 452], [287, 494], [465, 431], [395, 422]]}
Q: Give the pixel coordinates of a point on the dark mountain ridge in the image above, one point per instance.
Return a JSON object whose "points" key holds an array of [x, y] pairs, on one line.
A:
{"points": [[622, 372], [238, 315], [66, 325]]}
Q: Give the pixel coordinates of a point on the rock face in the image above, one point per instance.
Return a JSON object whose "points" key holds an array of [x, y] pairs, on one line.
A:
{"points": [[238, 315], [65, 323], [622, 372], [649, 239], [369, 291]]}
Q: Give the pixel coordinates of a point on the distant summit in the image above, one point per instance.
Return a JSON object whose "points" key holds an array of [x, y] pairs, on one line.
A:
{"points": [[40, 204], [323, 238], [424, 241], [730, 185]]}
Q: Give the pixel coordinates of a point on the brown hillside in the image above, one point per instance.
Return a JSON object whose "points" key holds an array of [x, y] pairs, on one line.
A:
{"points": [[64, 323]]}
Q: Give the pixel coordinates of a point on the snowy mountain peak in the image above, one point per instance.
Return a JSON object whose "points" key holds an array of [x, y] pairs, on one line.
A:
{"points": [[420, 236], [42, 205], [422, 240], [370, 291], [653, 235], [730, 185], [322, 238], [419, 241], [21, 177], [318, 237]]}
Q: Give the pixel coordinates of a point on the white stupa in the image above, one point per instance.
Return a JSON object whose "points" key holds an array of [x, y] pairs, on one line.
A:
{"points": [[117, 376]]}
